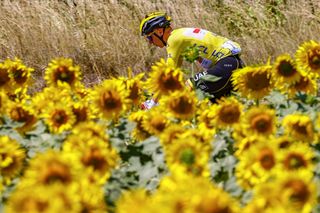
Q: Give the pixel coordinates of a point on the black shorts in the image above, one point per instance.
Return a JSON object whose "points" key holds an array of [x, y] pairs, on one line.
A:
{"points": [[223, 69]]}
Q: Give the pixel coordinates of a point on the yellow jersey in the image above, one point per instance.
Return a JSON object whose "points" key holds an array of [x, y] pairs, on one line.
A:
{"points": [[211, 46]]}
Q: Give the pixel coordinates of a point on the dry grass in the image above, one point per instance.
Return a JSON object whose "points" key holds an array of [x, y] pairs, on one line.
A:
{"points": [[102, 35]]}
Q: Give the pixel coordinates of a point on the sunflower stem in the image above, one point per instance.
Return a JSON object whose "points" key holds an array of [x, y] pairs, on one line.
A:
{"points": [[257, 102]]}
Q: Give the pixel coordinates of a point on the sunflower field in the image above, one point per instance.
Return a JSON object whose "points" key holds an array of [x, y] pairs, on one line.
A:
{"points": [[72, 148]]}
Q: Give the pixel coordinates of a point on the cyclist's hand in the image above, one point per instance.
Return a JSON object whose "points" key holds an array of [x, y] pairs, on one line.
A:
{"points": [[148, 104]]}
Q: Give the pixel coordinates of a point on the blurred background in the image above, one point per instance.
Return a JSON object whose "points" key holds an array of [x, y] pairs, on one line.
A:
{"points": [[102, 36]]}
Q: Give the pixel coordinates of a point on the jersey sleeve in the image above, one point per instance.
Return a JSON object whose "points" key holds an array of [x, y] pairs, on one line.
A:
{"points": [[174, 51]]}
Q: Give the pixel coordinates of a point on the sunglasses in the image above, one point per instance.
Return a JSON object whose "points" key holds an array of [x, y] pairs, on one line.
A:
{"points": [[149, 37]]}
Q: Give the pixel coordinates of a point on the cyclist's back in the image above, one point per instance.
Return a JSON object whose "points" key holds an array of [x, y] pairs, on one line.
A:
{"points": [[211, 46]]}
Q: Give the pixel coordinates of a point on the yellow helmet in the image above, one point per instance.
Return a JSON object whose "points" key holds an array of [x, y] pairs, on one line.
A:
{"points": [[154, 20]]}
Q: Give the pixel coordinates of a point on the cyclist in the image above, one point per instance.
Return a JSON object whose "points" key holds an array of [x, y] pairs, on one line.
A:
{"points": [[218, 56]]}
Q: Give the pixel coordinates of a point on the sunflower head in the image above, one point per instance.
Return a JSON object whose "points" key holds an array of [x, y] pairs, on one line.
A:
{"points": [[51, 167], [93, 152], [62, 70], [253, 82], [54, 95], [135, 87], [21, 112], [284, 141], [308, 57], [155, 121], [284, 71], [83, 111], [5, 80], [12, 157], [110, 98], [257, 164], [228, 112], [90, 129], [39, 198], [296, 191], [206, 117], [138, 199], [299, 156], [139, 133], [299, 126], [165, 79], [306, 84], [172, 132], [260, 120], [59, 117], [181, 104], [18, 72], [188, 153]]}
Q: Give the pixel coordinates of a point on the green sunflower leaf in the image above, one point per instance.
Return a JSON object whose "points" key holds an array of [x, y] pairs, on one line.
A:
{"points": [[210, 78]]}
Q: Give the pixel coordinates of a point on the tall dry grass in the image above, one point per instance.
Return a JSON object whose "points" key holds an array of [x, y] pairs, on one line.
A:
{"points": [[102, 36]]}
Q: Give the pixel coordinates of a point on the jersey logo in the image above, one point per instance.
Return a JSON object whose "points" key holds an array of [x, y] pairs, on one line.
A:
{"points": [[196, 33], [197, 30]]}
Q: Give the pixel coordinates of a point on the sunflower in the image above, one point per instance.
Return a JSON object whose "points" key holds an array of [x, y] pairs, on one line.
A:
{"points": [[110, 98], [135, 87], [238, 133], [5, 81], [203, 196], [165, 79], [260, 120], [284, 141], [308, 57], [93, 152], [202, 135], [243, 145], [306, 84], [21, 112], [206, 118], [180, 104], [90, 129], [284, 71], [266, 199], [172, 132], [91, 196], [19, 94], [18, 73], [39, 198], [214, 200], [190, 154], [299, 126], [139, 132], [89, 145], [155, 121], [96, 155], [257, 164], [228, 112], [62, 70], [12, 157], [83, 111], [59, 117], [253, 82], [4, 99], [137, 199], [297, 157], [50, 95], [51, 167], [296, 191]]}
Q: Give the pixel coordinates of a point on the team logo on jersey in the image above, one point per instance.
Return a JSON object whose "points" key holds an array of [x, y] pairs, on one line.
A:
{"points": [[195, 33], [199, 75], [197, 30]]}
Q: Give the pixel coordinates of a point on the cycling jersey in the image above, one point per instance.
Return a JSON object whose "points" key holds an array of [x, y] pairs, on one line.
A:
{"points": [[212, 47]]}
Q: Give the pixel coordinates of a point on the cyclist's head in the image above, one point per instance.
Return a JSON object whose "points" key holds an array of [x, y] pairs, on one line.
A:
{"points": [[153, 21]]}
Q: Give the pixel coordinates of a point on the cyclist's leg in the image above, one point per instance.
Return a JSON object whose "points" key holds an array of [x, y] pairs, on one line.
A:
{"points": [[222, 69]]}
